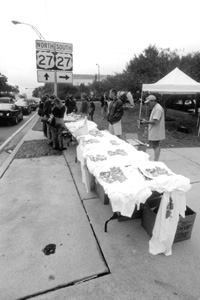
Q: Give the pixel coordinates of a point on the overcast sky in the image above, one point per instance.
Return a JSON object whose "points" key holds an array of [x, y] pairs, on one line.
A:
{"points": [[104, 32]]}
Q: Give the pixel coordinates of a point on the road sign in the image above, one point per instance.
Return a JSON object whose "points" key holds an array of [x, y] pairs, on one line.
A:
{"points": [[48, 60], [54, 62], [64, 61], [64, 77], [44, 45], [63, 47], [45, 76], [54, 46], [45, 60]]}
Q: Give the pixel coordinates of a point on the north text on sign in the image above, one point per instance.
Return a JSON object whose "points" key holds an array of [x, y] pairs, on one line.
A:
{"points": [[44, 45]]}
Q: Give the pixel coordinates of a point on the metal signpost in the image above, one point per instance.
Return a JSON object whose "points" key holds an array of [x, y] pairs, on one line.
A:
{"points": [[54, 62]]}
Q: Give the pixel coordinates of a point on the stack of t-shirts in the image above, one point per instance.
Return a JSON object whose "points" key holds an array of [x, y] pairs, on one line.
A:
{"points": [[87, 142], [80, 127], [71, 117], [91, 147], [125, 186], [173, 204]]}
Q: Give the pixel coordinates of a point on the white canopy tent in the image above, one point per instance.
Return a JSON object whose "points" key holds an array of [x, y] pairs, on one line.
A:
{"points": [[176, 82]]}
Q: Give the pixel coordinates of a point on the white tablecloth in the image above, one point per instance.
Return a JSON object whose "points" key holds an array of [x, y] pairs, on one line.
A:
{"points": [[104, 155]]}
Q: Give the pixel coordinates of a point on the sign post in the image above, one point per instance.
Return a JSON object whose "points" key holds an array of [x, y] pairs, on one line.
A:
{"points": [[54, 62], [55, 87]]}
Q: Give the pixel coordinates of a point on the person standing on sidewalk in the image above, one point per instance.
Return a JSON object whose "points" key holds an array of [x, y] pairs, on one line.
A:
{"points": [[91, 109], [84, 109], [115, 114], [156, 128], [47, 112], [102, 104], [41, 113], [70, 104], [58, 125], [105, 106]]}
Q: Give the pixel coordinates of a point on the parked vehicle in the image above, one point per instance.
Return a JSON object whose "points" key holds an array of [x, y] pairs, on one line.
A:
{"points": [[186, 105], [25, 106], [33, 103], [9, 111]]}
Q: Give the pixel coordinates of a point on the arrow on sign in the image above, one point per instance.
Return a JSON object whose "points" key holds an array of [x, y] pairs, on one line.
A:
{"points": [[65, 77], [46, 76]]}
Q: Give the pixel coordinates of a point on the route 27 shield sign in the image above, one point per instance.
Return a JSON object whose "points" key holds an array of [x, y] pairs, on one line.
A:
{"points": [[48, 60]]}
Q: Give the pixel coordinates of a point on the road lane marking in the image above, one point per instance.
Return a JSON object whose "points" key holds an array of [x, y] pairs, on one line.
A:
{"points": [[16, 132]]}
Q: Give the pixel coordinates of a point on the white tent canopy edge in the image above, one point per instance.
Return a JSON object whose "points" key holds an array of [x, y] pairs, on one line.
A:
{"points": [[176, 82]]}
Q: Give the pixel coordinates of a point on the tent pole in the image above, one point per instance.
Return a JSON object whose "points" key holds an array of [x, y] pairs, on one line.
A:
{"points": [[140, 110]]}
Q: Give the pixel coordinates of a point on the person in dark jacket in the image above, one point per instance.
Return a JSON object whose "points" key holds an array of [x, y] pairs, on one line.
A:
{"points": [[84, 109], [102, 106], [41, 113], [115, 114], [91, 109], [57, 127], [47, 112], [105, 106], [70, 104]]}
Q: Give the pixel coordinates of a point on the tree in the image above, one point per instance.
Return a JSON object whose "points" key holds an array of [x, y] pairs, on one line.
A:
{"points": [[37, 92], [6, 88], [64, 89], [48, 88], [150, 66]]}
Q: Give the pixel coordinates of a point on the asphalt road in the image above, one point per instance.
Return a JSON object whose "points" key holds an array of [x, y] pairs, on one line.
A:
{"points": [[7, 130]]}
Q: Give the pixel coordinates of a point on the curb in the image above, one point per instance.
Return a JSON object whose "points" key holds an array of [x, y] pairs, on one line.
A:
{"points": [[10, 158], [16, 132]]}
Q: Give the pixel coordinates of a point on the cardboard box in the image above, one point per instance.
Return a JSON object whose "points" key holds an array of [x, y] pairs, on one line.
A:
{"points": [[142, 147], [100, 192], [137, 144], [185, 225]]}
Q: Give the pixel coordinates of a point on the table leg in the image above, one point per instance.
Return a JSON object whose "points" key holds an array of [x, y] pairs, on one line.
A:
{"points": [[116, 215]]}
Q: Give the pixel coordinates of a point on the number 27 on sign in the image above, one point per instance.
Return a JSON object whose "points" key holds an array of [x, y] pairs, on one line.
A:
{"points": [[45, 60], [64, 61], [54, 61]]}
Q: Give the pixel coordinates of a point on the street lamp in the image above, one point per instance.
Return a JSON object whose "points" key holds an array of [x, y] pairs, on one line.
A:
{"points": [[98, 71], [34, 28]]}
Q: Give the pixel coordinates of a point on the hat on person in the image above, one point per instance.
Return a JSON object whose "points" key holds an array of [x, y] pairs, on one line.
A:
{"points": [[150, 98]]}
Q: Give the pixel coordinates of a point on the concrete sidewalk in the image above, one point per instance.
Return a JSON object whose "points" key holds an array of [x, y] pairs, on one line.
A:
{"points": [[43, 202]]}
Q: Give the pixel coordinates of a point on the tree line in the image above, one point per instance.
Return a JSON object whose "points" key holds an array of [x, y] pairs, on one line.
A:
{"points": [[6, 88]]}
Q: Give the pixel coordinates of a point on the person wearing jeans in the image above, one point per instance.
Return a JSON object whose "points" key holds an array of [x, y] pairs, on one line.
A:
{"points": [[47, 112], [58, 125]]}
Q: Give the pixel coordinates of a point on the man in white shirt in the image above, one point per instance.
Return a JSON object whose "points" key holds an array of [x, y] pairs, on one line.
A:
{"points": [[156, 128]]}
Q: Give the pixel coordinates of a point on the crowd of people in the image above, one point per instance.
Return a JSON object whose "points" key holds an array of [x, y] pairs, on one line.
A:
{"points": [[52, 111]]}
